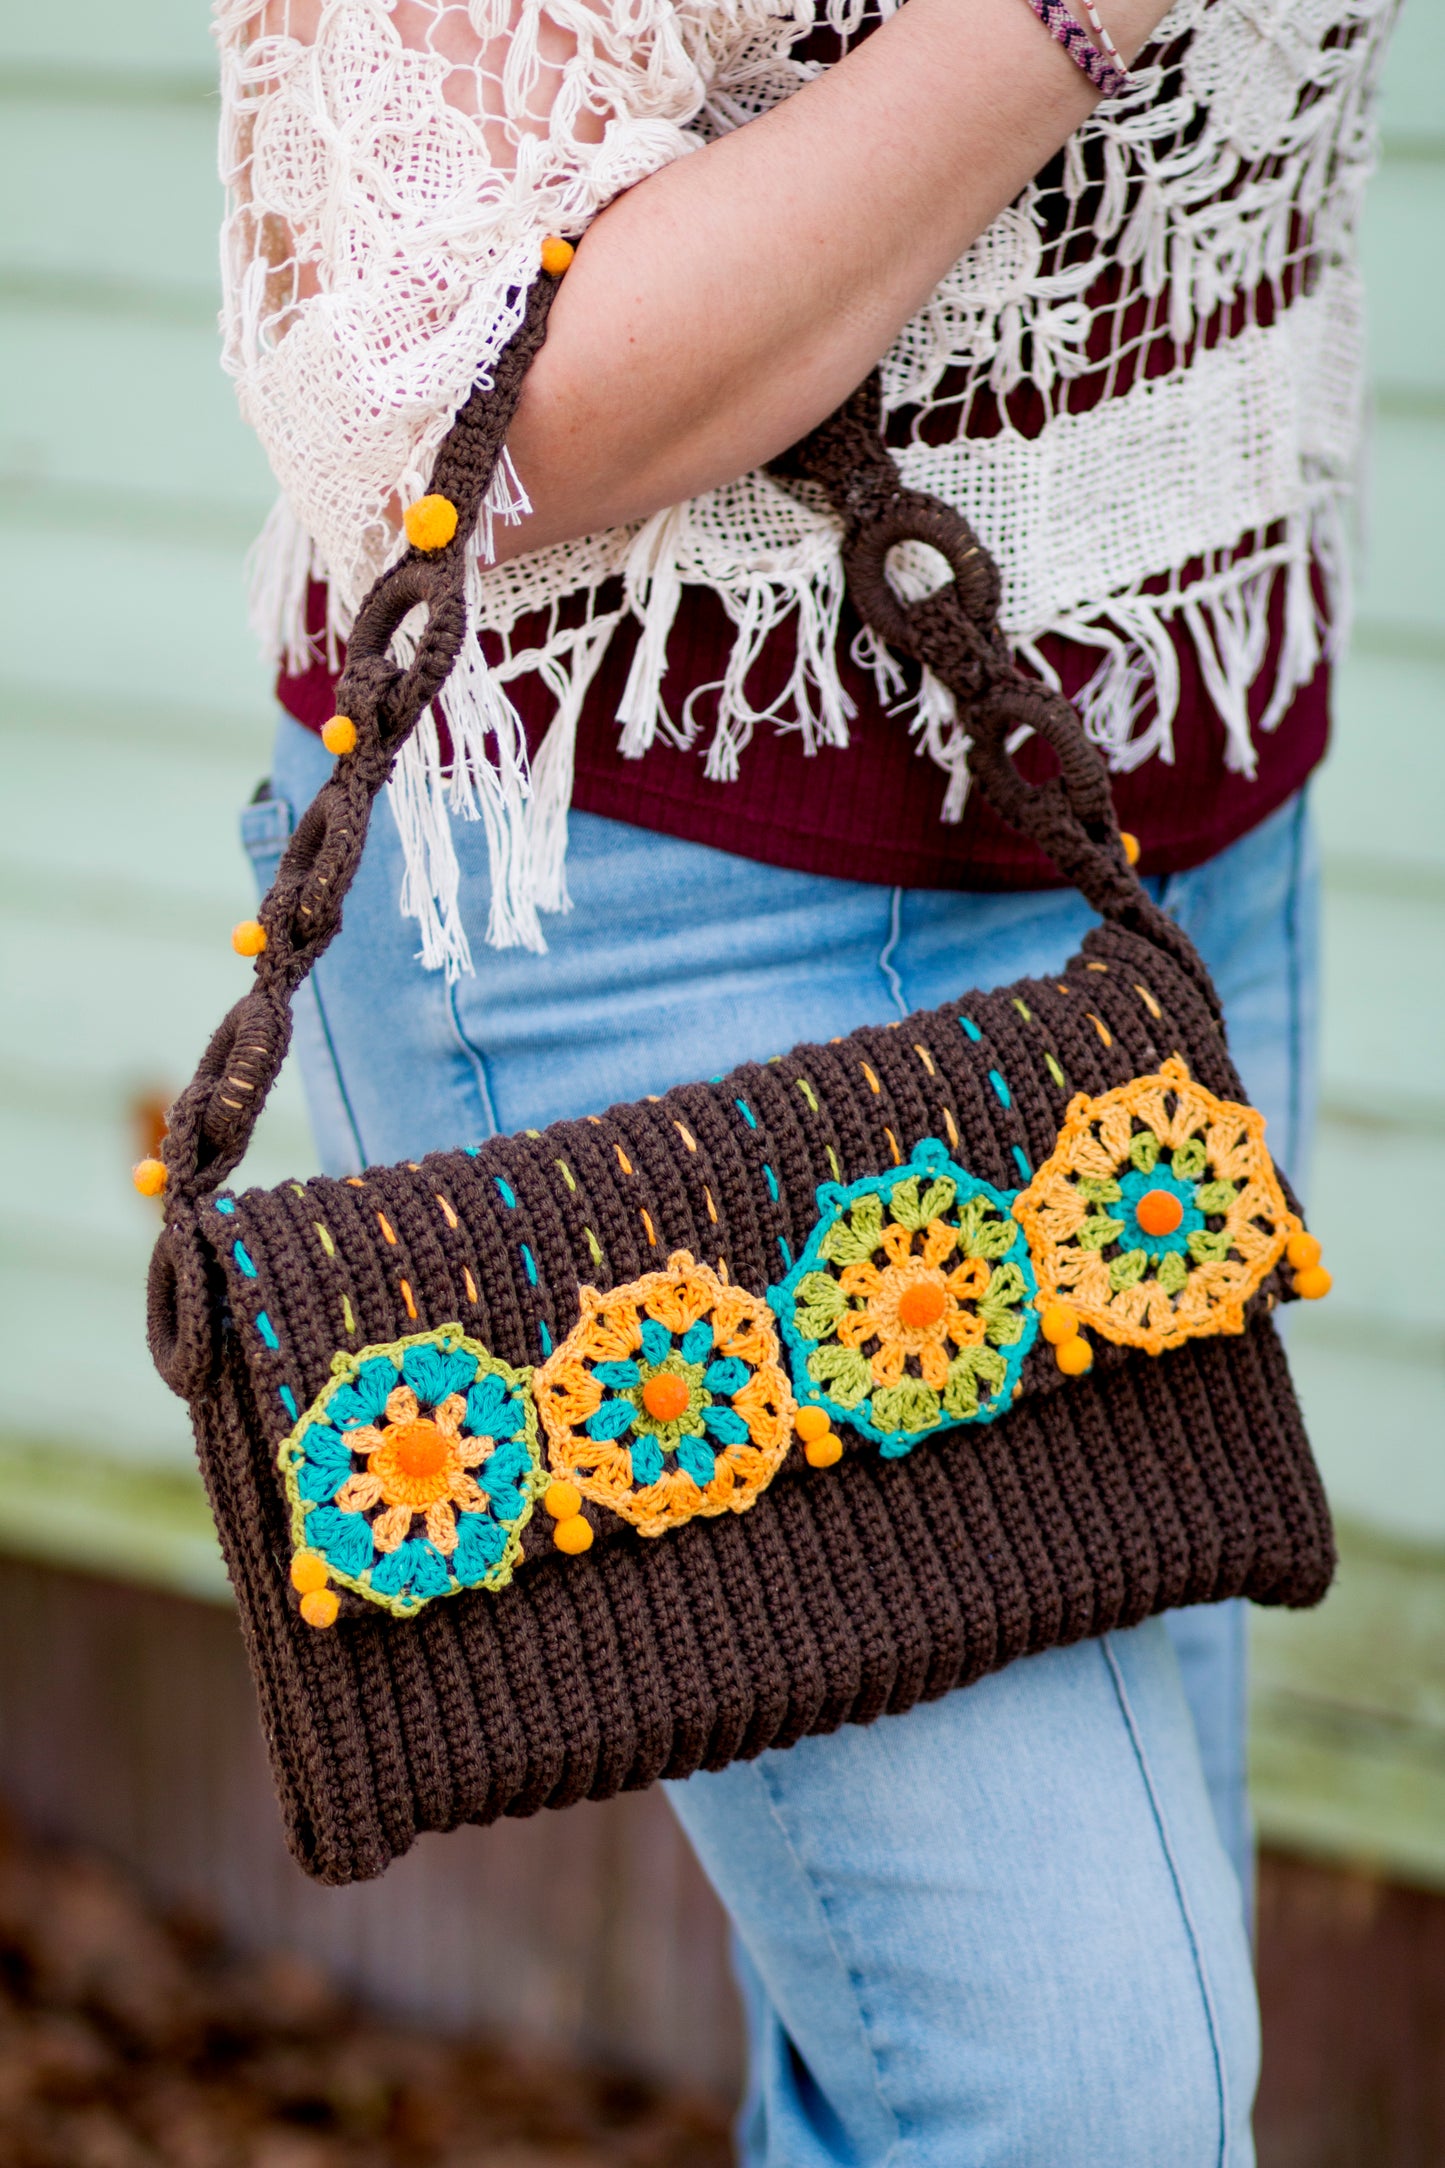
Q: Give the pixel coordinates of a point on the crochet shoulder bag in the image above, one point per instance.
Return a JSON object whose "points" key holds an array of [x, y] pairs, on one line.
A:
{"points": [[554, 1465]]}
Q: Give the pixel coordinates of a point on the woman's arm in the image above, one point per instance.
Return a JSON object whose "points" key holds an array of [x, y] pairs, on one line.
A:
{"points": [[722, 307]]}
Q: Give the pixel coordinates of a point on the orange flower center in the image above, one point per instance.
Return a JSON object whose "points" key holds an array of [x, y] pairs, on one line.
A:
{"points": [[921, 1304], [665, 1397], [419, 1450], [1159, 1212]]}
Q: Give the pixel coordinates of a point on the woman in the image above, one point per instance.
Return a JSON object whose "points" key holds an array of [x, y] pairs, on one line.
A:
{"points": [[1123, 338]]}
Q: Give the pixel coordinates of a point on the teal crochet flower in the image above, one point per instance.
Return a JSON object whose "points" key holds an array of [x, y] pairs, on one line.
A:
{"points": [[675, 1398], [414, 1473]]}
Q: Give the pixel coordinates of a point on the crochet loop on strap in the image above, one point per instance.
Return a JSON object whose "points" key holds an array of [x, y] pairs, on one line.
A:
{"points": [[953, 631]]}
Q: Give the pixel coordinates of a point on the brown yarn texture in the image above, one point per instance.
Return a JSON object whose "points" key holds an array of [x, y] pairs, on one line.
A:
{"points": [[840, 1595]]}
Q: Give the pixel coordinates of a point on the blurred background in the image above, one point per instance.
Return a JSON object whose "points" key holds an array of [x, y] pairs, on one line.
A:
{"points": [[135, 720]]}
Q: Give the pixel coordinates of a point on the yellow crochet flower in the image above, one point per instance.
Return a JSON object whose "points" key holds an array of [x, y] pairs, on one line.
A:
{"points": [[911, 1306], [418, 1464]]}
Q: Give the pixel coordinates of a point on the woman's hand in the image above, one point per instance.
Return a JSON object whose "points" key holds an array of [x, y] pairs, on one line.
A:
{"points": [[724, 306]]}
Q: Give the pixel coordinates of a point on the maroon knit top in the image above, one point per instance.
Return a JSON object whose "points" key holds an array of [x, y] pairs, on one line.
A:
{"points": [[869, 811]]}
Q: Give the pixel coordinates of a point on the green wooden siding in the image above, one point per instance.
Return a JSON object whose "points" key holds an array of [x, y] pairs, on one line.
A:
{"points": [[134, 722]]}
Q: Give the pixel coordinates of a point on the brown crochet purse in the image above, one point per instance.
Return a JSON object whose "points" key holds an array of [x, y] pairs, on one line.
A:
{"points": [[552, 1466]]}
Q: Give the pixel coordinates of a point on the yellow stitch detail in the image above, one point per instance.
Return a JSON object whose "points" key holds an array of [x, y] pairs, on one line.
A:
{"points": [[567, 1174], [1149, 1002], [1100, 1026], [469, 1284], [406, 1297], [385, 1225], [833, 1163], [622, 1160], [873, 1084], [893, 1147], [1096, 967], [807, 1091], [1056, 1072], [711, 1207], [689, 1140], [951, 1126], [326, 1242], [298, 1189], [651, 1231], [347, 1319], [594, 1246], [925, 1057], [414, 1165], [1024, 1010]]}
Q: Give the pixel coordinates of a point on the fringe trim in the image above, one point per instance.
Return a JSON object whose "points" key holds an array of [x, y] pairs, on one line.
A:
{"points": [[1129, 705]]}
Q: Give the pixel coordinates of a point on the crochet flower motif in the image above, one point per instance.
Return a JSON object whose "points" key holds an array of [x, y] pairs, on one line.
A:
{"points": [[1159, 1213], [909, 1309], [415, 1471], [666, 1400]]}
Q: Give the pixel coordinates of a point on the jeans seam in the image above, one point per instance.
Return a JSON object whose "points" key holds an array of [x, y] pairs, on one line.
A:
{"points": [[1295, 995], [1201, 1971], [885, 955], [805, 1875], [477, 1062], [362, 1157]]}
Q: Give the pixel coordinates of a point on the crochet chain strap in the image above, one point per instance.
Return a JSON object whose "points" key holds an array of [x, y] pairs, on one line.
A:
{"points": [[953, 631]]}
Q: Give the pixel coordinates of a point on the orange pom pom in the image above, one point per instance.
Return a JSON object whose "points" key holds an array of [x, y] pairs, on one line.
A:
{"points": [[249, 938], [308, 1572], [339, 735], [823, 1452], [1058, 1324], [1303, 1250], [810, 1424], [665, 1397], [430, 523], [1313, 1283], [1131, 846], [1074, 1356], [1159, 1212], [573, 1535], [556, 254], [319, 1606], [150, 1177], [562, 1500]]}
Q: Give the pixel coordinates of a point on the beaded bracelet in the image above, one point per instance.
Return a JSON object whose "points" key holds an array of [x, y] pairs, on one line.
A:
{"points": [[1101, 63]]}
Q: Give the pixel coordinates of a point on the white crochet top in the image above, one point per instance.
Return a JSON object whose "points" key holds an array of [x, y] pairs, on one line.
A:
{"points": [[1142, 384]]}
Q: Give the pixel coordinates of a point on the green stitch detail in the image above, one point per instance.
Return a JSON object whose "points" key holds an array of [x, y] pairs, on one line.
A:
{"points": [[909, 1405], [807, 1091], [1213, 1198], [594, 1246], [821, 1302], [1190, 1159], [975, 1366], [1098, 1188], [915, 1212], [1129, 1268], [982, 1232], [1056, 1072], [1000, 1306], [833, 1163], [1144, 1151], [853, 1240], [842, 1372], [1173, 1273], [1098, 1231], [1207, 1248]]}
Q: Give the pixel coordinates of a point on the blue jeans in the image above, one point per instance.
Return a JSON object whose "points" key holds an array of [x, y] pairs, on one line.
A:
{"points": [[1004, 1928]]}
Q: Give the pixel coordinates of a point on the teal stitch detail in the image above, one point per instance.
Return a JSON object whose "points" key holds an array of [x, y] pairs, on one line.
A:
{"points": [[288, 1400], [746, 1112], [971, 1028], [529, 1264], [1021, 1161], [544, 1336], [787, 1255], [772, 1181], [266, 1329], [508, 1194], [226, 1204], [1001, 1090], [243, 1259], [920, 1203], [479, 1403]]}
